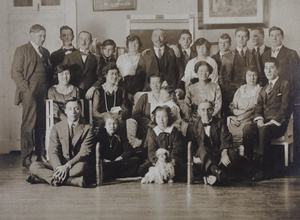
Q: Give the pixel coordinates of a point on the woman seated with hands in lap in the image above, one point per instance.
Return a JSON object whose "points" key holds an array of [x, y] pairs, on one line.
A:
{"points": [[62, 91], [242, 106], [110, 98], [204, 89]]}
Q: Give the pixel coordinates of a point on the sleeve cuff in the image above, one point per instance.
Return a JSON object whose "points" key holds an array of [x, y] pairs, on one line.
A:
{"points": [[258, 118], [275, 122]]}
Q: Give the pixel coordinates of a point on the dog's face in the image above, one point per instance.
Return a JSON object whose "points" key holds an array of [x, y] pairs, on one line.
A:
{"points": [[162, 155]]}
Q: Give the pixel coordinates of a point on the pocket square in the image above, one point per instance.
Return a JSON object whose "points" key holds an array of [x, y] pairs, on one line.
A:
{"points": [[278, 94]]}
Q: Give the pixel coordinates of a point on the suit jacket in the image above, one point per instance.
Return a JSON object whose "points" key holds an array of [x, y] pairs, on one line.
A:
{"points": [[23, 67], [218, 59], [277, 105], [83, 75], [289, 65], [260, 65], [182, 62], [227, 65], [148, 64], [220, 137], [82, 143], [58, 56]]}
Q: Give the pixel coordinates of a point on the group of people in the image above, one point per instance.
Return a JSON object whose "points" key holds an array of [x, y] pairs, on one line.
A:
{"points": [[230, 105]]}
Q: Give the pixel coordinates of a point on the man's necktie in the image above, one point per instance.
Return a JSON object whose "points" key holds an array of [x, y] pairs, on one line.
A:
{"points": [[67, 50], [269, 88], [71, 130], [186, 56], [242, 54], [159, 53], [44, 58], [258, 50]]}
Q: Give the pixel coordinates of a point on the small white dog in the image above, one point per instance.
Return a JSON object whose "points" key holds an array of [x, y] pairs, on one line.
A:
{"points": [[163, 169]]}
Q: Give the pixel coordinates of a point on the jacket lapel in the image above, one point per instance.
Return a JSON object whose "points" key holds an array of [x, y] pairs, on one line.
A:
{"points": [[78, 59], [88, 64], [274, 91], [33, 54], [77, 133], [65, 135]]}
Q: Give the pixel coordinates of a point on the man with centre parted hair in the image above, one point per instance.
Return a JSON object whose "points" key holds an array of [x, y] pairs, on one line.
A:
{"points": [[70, 150], [66, 36], [31, 71]]}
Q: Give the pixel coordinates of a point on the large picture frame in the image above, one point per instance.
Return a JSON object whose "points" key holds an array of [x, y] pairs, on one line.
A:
{"points": [[228, 14], [112, 5]]}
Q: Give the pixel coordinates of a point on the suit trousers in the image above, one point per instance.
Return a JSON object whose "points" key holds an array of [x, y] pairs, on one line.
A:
{"points": [[34, 117], [45, 171], [258, 140]]}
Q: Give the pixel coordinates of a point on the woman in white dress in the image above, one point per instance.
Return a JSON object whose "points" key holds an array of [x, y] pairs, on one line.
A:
{"points": [[127, 64], [202, 46], [242, 106]]}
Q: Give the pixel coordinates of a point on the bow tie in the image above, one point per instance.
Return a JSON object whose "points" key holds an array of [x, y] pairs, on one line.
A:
{"points": [[84, 53], [274, 50], [65, 50], [206, 124]]}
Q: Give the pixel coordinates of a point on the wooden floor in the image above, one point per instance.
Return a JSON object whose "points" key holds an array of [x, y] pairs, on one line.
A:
{"points": [[128, 199]]}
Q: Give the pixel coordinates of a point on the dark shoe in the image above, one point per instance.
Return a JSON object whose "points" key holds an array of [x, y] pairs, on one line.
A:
{"points": [[76, 181], [258, 176], [30, 178], [55, 183], [27, 162], [222, 177]]}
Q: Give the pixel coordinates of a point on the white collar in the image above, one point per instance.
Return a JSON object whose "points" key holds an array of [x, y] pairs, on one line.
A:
{"points": [[161, 48], [261, 48], [274, 81], [188, 50], [70, 123], [36, 47], [222, 54], [69, 48], [109, 89], [277, 48], [240, 49], [168, 130], [86, 52]]}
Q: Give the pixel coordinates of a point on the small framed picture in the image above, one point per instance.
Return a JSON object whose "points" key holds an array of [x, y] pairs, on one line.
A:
{"points": [[111, 5]]}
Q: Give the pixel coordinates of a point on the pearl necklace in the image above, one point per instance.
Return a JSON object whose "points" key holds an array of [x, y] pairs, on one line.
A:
{"points": [[106, 100]]}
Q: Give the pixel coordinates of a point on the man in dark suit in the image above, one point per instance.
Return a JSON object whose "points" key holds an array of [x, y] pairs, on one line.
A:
{"points": [[271, 117], [289, 70], [233, 66], [71, 143], [161, 59], [257, 36], [66, 36], [212, 144], [224, 48], [31, 71], [186, 54], [83, 66]]}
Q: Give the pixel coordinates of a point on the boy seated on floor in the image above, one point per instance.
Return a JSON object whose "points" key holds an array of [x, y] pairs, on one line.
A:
{"points": [[71, 143]]}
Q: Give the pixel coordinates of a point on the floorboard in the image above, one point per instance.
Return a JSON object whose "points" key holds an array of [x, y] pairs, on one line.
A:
{"points": [[127, 199]]}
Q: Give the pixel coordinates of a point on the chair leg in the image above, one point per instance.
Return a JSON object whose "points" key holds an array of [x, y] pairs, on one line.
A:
{"points": [[99, 169], [190, 177], [286, 154], [292, 152]]}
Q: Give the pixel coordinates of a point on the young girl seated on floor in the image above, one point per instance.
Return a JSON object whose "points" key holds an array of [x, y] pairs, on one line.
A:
{"points": [[115, 151], [165, 135]]}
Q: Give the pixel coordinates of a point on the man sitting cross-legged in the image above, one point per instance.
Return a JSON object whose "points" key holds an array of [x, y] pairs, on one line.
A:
{"points": [[212, 144], [71, 143]]}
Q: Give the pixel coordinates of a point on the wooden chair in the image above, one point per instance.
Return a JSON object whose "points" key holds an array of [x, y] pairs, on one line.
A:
{"points": [[287, 142]]}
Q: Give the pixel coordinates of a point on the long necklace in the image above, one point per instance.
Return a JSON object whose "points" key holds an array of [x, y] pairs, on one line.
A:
{"points": [[106, 100]]}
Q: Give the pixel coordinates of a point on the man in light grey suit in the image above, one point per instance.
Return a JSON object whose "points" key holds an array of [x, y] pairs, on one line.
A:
{"points": [[70, 148], [31, 71]]}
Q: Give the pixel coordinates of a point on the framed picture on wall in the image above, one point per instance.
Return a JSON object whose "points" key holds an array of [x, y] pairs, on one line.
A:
{"points": [[232, 13], [111, 5]]}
